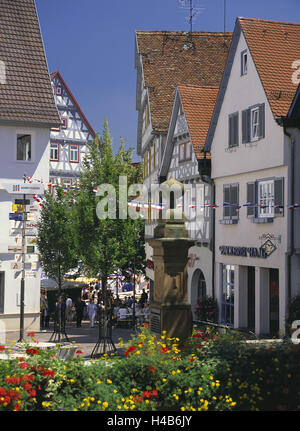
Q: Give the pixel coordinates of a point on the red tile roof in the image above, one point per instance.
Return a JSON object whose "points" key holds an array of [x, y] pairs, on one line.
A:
{"points": [[26, 96], [166, 63], [274, 46], [198, 105]]}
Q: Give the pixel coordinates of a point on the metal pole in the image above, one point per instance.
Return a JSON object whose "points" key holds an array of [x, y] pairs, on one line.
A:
{"points": [[22, 305]]}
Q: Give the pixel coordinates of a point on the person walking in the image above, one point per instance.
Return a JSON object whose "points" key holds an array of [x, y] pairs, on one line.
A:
{"points": [[144, 297], [69, 305], [92, 309], [80, 306]]}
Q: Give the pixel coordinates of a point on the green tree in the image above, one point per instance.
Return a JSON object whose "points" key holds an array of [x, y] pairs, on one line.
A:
{"points": [[107, 244], [56, 239]]}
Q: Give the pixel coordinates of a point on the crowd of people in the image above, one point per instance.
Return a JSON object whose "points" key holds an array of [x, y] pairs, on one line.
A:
{"points": [[89, 306]]}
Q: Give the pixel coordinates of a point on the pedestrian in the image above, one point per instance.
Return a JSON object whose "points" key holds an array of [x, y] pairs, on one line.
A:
{"points": [[144, 297], [69, 305], [92, 309], [80, 306], [44, 309]]}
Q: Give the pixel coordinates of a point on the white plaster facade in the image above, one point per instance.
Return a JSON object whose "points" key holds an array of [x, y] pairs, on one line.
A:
{"points": [[251, 291], [12, 172]]}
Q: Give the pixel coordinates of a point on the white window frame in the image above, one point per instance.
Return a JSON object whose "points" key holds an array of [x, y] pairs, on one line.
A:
{"points": [[53, 150], [244, 63], [72, 151], [266, 199], [255, 124], [26, 159]]}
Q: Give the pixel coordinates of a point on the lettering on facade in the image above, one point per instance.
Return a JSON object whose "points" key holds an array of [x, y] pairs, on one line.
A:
{"points": [[229, 250]]}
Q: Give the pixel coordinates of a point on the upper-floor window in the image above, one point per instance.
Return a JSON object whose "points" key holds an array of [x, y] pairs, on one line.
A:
{"points": [[185, 152], [244, 62], [231, 202], [253, 123], [233, 130], [64, 122], [24, 147], [74, 153], [54, 152], [265, 199]]}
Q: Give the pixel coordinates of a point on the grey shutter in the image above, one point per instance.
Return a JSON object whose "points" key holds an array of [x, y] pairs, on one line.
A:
{"points": [[226, 198], [262, 120], [245, 126], [234, 200], [230, 131], [279, 196], [251, 199], [233, 130]]}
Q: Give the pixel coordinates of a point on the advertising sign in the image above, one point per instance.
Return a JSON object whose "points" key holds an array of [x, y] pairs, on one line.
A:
{"points": [[16, 216], [24, 188]]}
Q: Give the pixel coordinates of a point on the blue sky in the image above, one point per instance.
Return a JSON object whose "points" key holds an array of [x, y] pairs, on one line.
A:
{"points": [[91, 43]]}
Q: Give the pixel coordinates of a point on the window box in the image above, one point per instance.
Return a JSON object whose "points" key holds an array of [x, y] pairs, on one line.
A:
{"points": [[228, 221], [263, 220]]}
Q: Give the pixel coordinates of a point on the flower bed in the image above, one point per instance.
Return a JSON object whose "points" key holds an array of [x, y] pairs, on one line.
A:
{"points": [[208, 372]]}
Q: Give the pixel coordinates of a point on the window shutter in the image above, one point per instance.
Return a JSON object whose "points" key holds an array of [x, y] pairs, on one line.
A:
{"points": [[279, 197], [233, 129], [262, 120], [245, 126], [251, 199], [226, 199], [234, 200]]}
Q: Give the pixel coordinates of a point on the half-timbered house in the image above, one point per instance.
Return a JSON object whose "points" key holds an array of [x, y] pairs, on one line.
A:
{"points": [[164, 59], [68, 141], [185, 161]]}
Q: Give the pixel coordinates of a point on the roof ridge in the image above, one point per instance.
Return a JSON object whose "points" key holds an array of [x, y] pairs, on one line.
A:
{"points": [[212, 87], [267, 20], [184, 32]]}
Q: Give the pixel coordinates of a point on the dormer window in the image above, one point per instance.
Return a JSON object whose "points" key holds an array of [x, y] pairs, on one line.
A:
{"points": [[244, 62], [58, 91]]}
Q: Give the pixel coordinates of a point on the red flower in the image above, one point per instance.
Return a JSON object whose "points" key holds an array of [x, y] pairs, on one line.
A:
{"points": [[191, 359], [48, 373], [2, 348], [27, 386], [2, 391], [197, 336], [24, 365], [79, 352], [32, 351], [31, 334], [146, 325], [151, 368], [32, 393], [40, 368], [17, 408], [130, 349], [198, 345], [138, 399], [164, 350], [285, 390]]}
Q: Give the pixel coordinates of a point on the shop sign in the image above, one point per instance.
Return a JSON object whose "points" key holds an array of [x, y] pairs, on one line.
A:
{"points": [[228, 250], [149, 264]]}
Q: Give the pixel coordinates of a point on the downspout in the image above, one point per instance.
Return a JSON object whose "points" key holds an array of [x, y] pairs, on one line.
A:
{"points": [[208, 180], [291, 248]]}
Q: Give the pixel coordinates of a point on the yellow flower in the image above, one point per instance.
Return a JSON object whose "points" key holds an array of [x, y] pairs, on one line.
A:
{"points": [[105, 404], [98, 382], [109, 381]]}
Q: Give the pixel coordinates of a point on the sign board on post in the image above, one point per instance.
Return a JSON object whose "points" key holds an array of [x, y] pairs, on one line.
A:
{"points": [[24, 188], [16, 216], [17, 266], [14, 249], [16, 208]]}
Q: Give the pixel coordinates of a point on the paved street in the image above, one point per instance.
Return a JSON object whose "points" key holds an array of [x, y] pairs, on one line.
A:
{"points": [[85, 337]]}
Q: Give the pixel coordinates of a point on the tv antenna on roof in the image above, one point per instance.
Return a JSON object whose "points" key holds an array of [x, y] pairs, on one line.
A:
{"points": [[193, 12]]}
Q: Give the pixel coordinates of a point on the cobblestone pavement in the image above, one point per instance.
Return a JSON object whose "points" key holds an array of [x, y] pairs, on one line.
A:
{"points": [[85, 337]]}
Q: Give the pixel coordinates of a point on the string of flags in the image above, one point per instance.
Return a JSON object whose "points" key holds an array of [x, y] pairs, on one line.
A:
{"points": [[138, 205]]}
